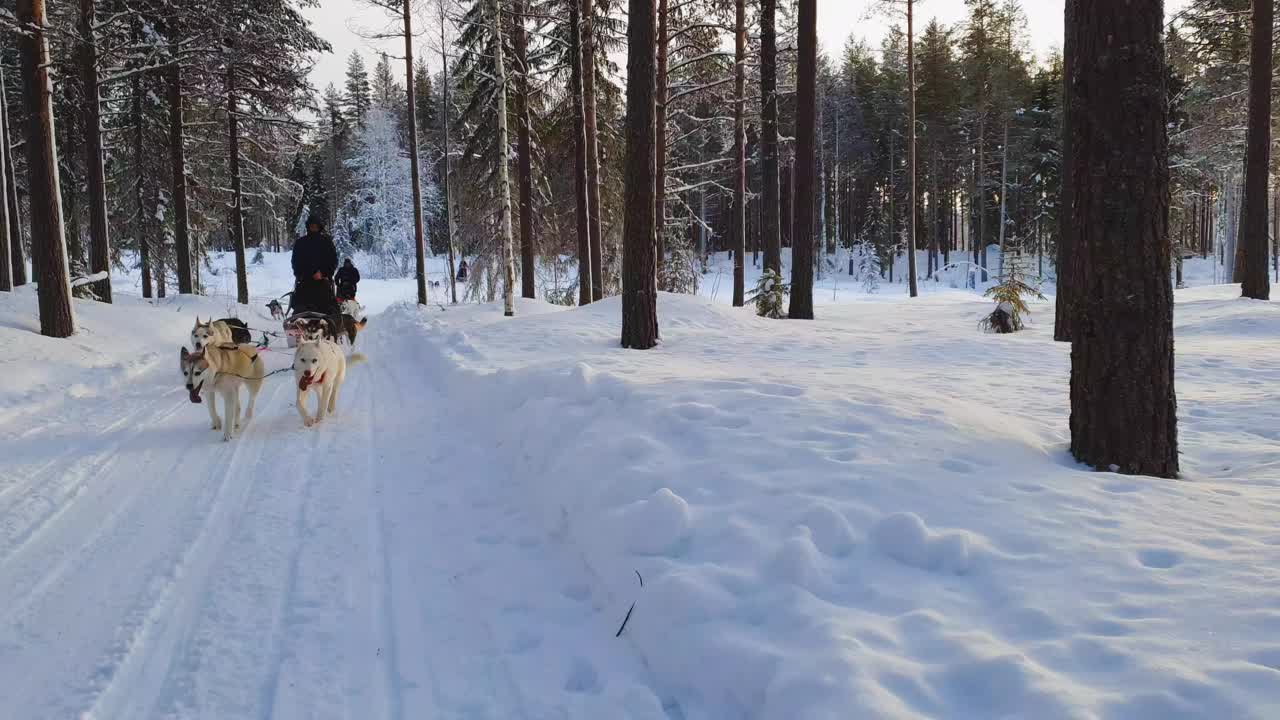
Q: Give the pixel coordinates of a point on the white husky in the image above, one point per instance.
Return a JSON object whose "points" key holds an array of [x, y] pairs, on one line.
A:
{"points": [[222, 371], [319, 365]]}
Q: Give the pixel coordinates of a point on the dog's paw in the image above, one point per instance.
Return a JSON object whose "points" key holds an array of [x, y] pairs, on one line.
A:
{"points": [[309, 422], [216, 426]]}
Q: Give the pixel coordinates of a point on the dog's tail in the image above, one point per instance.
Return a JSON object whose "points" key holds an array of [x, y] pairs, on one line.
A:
{"points": [[356, 359]]}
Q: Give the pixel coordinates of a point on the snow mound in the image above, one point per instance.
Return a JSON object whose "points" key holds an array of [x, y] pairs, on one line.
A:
{"points": [[905, 538], [653, 526]]}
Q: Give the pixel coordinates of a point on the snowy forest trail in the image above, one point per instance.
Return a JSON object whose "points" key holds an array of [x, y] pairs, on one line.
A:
{"points": [[356, 570]]}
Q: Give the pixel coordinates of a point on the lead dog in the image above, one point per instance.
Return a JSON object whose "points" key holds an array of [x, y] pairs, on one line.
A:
{"points": [[222, 371], [319, 366], [227, 331]]}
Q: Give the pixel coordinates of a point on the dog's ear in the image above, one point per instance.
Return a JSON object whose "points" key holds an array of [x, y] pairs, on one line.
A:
{"points": [[185, 354]]}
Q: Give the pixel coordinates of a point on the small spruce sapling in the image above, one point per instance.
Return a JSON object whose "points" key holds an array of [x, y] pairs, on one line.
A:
{"points": [[1010, 296], [770, 296]]}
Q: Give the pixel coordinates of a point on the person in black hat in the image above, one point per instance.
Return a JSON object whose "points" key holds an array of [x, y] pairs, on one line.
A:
{"points": [[348, 278], [315, 260]]}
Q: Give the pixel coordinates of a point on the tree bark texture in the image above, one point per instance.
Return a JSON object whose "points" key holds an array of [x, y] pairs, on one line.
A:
{"points": [[411, 111], [580, 156], [1254, 241], [770, 214], [805, 165], [593, 147], [1123, 407], [740, 156], [1064, 307], [17, 254], [237, 198], [48, 247], [99, 237], [178, 159], [524, 155], [504, 172], [639, 282]]}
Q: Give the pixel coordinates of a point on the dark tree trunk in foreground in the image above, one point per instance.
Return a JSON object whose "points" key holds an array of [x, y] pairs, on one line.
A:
{"points": [[639, 283], [1064, 310], [1253, 240], [740, 156], [770, 213], [1123, 408], [237, 198], [580, 156], [419, 234], [805, 165], [49, 250], [178, 160], [99, 239], [17, 258], [593, 147], [524, 154]]}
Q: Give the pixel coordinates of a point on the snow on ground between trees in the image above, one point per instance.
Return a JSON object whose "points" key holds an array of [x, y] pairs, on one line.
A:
{"points": [[875, 514], [872, 514]]}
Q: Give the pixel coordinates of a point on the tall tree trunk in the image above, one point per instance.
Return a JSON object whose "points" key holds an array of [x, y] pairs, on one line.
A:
{"points": [[660, 140], [1123, 406], [448, 160], [504, 171], [639, 282], [1004, 191], [806, 130], [237, 198], [524, 154], [17, 256], [178, 159], [48, 245], [1064, 304], [580, 156], [1256, 282], [740, 155], [142, 219], [911, 148], [593, 147], [99, 240], [411, 112], [770, 215], [7, 221]]}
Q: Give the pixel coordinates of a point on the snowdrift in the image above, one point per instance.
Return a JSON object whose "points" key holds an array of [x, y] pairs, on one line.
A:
{"points": [[874, 514]]}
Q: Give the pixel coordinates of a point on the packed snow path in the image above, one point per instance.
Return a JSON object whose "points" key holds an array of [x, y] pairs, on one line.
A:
{"points": [[363, 569]]}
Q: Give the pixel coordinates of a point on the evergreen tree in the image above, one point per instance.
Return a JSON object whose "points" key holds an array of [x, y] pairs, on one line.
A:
{"points": [[358, 98]]}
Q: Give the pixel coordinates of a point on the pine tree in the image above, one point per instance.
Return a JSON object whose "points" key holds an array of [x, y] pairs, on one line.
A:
{"points": [[1123, 408], [358, 92]]}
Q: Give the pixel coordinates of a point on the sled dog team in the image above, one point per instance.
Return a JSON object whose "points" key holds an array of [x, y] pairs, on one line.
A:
{"points": [[225, 361]]}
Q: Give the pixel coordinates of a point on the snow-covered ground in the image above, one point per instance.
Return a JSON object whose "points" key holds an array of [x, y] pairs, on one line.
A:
{"points": [[870, 515]]}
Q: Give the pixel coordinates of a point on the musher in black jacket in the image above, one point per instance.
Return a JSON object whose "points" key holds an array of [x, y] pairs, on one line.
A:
{"points": [[348, 278], [315, 261]]}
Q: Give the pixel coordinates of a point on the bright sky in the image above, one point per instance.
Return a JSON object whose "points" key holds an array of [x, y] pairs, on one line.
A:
{"points": [[341, 21]]}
